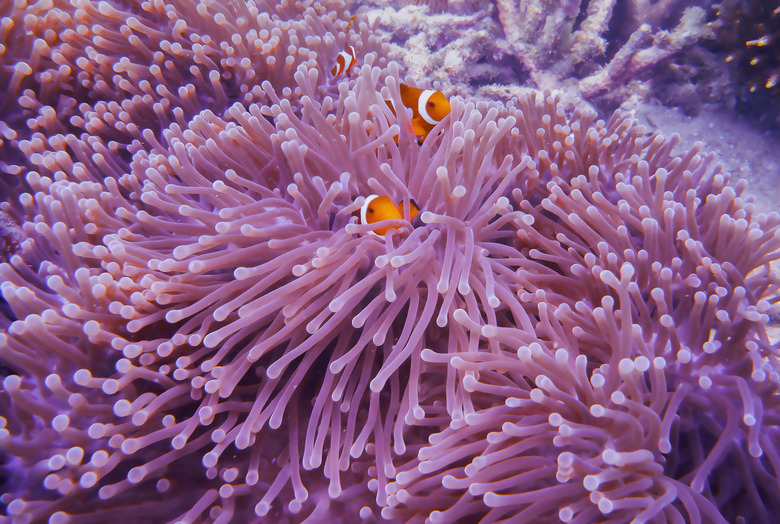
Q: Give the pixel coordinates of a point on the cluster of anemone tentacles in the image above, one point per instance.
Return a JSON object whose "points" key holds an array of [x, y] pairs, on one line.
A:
{"points": [[571, 330]]}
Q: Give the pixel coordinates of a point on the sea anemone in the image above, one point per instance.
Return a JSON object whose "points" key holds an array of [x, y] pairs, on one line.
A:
{"points": [[572, 327], [645, 387]]}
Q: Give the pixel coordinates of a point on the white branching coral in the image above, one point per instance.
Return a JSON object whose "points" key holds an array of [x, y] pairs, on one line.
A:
{"points": [[558, 39], [602, 51]]}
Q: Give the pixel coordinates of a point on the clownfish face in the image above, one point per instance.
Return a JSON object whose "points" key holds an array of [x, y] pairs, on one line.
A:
{"points": [[433, 106], [377, 208], [344, 62], [428, 105]]}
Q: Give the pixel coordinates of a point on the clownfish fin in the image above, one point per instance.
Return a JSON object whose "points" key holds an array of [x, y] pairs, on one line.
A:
{"points": [[411, 211], [421, 128], [411, 129]]}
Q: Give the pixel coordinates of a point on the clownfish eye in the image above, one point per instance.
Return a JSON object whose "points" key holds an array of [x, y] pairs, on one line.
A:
{"points": [[431, 104]]}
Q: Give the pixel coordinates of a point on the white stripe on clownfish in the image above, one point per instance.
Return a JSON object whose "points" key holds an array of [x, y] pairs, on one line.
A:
{"points": [[422, 109]]}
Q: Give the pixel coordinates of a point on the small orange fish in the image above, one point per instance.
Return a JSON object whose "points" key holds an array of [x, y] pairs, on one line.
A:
{"points": [[377, 208], [345, 61], [429, 105], [351, 21], [428, 109]]}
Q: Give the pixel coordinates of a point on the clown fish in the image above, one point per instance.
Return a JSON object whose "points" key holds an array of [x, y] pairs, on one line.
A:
{"points": [[428, 105], [377, 208], [344, 62], [428, 109]]}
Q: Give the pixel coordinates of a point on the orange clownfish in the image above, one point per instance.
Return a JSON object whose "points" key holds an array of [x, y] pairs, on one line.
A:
{"points": [[344, 62], [426, 104], [377, 208], [428, 108]]}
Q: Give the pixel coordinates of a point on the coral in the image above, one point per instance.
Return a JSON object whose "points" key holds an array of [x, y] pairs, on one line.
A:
{"points": [[569, 36], [451, 48], [596, 50], [644, 50], [693, 82], [198, 329]]}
